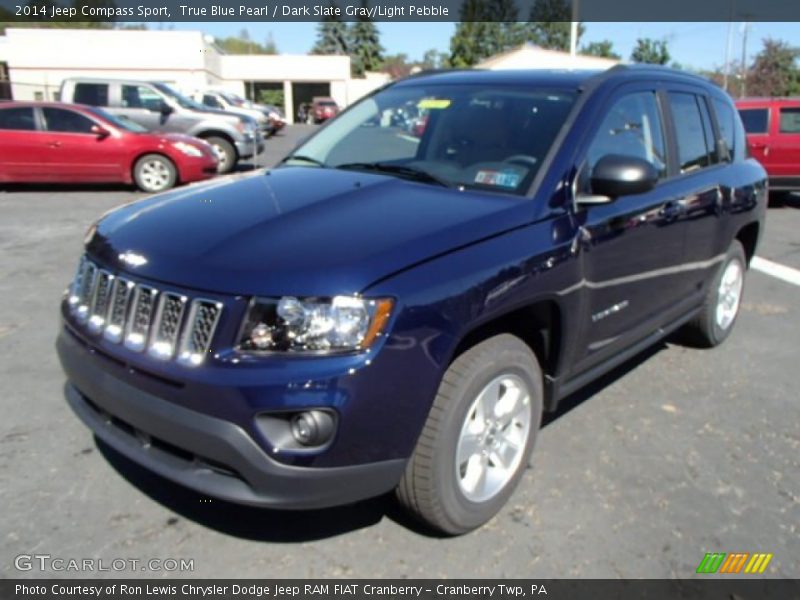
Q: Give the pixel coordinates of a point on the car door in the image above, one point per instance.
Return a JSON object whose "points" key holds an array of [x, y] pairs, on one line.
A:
{"points": [[22, 146], [76, 153], [756, 121], [633, 246], [786, 145]]}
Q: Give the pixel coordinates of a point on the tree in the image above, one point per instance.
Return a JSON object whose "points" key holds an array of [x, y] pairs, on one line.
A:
{"points": [[604, 49], [486, 28], [397, 65], [774, 71], [332, 36], [270, 47], [365, 44], [433, 59], [650, 51], [550, 24], [243, 44]]}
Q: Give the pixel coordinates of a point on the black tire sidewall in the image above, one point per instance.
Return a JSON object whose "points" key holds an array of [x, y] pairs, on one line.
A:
{"points": [[229, 150], [717, 334], [173, 172], [465, 514]]}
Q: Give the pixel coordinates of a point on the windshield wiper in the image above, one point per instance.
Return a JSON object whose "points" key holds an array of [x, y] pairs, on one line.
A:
{"points": [[401, 170], [304, 158]]}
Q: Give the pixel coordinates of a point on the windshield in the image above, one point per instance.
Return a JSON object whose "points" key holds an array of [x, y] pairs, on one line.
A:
{"points": [[183, 101], [118, 121], [460, 135]]}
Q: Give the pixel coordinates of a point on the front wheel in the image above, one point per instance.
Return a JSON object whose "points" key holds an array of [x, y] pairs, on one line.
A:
{"points": [[476, 441], [225, 152], [721, 306], [154, 173]]}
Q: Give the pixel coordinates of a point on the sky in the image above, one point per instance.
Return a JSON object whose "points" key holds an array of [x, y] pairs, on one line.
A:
{"points": [[696, 45]]}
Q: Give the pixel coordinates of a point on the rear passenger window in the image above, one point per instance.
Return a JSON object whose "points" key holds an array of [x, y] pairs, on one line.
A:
{"points": [[726, 123], [790, 120], [632, 128], [93, 94], [20, 119], [695, 149], [66, 121], [755, 120], [140, 96]]}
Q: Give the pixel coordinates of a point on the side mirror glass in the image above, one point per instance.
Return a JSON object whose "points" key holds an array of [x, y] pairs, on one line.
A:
{"points": [[617, 175], [165, 109]]}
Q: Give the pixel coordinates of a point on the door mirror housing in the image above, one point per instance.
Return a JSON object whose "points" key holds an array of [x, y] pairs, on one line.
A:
{"points": [[165, 109], [100, 131], [617, 175]]}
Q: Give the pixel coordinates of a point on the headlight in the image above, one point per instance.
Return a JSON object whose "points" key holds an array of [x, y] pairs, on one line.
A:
{"points": [[188, 149], [314, 325]]}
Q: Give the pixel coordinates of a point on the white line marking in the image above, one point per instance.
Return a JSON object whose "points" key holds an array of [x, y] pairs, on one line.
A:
{"points": [[776, 270]]}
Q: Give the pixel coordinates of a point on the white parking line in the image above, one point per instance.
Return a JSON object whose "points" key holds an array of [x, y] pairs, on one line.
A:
{"points": [[776, 270]]}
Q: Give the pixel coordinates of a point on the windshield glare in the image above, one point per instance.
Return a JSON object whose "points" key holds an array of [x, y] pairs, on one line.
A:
{"points": [[492, 139], [183, 101], [120, 121]]}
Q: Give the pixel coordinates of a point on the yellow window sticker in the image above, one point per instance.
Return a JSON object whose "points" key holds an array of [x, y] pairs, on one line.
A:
{"points": [[434, 103]]}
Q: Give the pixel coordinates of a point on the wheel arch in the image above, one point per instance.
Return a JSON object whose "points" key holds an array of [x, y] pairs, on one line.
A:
{"points": [[748, 237], [539, 325], [137, 157], [208, 133]]}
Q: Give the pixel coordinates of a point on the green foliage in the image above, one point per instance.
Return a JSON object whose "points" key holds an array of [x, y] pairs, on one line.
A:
{"points": [[433, 59], [242, 44], [549, 24], [332, 36], [603, 49], [273, 97], [366, 52], [774, 71], [486, 28], [650, 51]]}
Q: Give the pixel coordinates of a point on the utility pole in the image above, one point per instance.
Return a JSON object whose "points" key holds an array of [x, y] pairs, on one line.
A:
{"points": [[728, 55], [573, 30], [743, 78]]}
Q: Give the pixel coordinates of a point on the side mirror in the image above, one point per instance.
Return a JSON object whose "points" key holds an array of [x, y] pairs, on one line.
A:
{"points": [[617, 175], [165, 109], [100, 132]]}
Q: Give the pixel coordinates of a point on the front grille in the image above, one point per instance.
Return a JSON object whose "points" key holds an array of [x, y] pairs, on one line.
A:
{"points": [[143, 317]]}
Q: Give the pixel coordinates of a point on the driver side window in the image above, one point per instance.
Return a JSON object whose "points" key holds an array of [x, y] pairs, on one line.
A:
{"points": [[632, 127]]}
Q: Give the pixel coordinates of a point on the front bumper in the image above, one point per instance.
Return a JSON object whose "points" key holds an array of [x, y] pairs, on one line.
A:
{"points": [[250, 146], [210, 455]]}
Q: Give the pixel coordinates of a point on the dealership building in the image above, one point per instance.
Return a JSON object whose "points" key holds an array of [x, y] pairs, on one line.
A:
{"points": [[34, 62]]}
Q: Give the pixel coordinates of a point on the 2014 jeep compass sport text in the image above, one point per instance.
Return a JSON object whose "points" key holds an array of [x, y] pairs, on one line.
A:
{"points": [[386, 311]]}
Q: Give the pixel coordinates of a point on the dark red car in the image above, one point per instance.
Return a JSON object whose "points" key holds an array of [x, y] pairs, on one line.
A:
{"points": [[323, 109], [68, 143]]}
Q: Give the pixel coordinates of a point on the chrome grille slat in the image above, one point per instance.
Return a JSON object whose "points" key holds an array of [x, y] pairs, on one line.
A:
{"points": [[118, 310], [200, 326], [142, 317], [138, 328], [166, 326], [85, 292], [100, 300]]}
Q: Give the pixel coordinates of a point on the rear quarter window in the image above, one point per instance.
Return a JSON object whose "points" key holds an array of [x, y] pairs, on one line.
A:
{"points": [[726, 120], [93, 94], [790, 120], [18, 119], [755, 120]]}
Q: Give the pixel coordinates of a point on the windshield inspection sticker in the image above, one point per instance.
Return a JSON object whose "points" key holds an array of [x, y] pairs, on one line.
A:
{"points": [[509, 179]]}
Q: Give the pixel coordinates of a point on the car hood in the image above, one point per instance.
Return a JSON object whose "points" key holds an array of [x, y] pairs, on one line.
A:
{"points": [[296, 230]]}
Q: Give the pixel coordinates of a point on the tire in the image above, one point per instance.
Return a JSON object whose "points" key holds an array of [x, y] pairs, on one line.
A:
{"points": [[441, 485], [225, 151], [154, 173], [716, 319]]}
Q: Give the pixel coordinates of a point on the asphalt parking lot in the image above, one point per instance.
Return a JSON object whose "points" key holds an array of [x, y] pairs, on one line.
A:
{"points": [[679, 453]]}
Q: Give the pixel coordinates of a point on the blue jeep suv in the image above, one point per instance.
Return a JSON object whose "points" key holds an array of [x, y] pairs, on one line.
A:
{"points": [[394, 307]]}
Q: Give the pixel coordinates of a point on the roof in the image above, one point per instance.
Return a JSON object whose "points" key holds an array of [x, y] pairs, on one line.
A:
{"points": [[529, 55], [550, 77]]}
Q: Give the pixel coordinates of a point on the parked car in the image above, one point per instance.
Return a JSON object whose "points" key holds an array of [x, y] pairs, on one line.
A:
{"points": [[773, 133], [157, 107], [322, 109], [220, 100], [69, 143], [381, 312]]}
